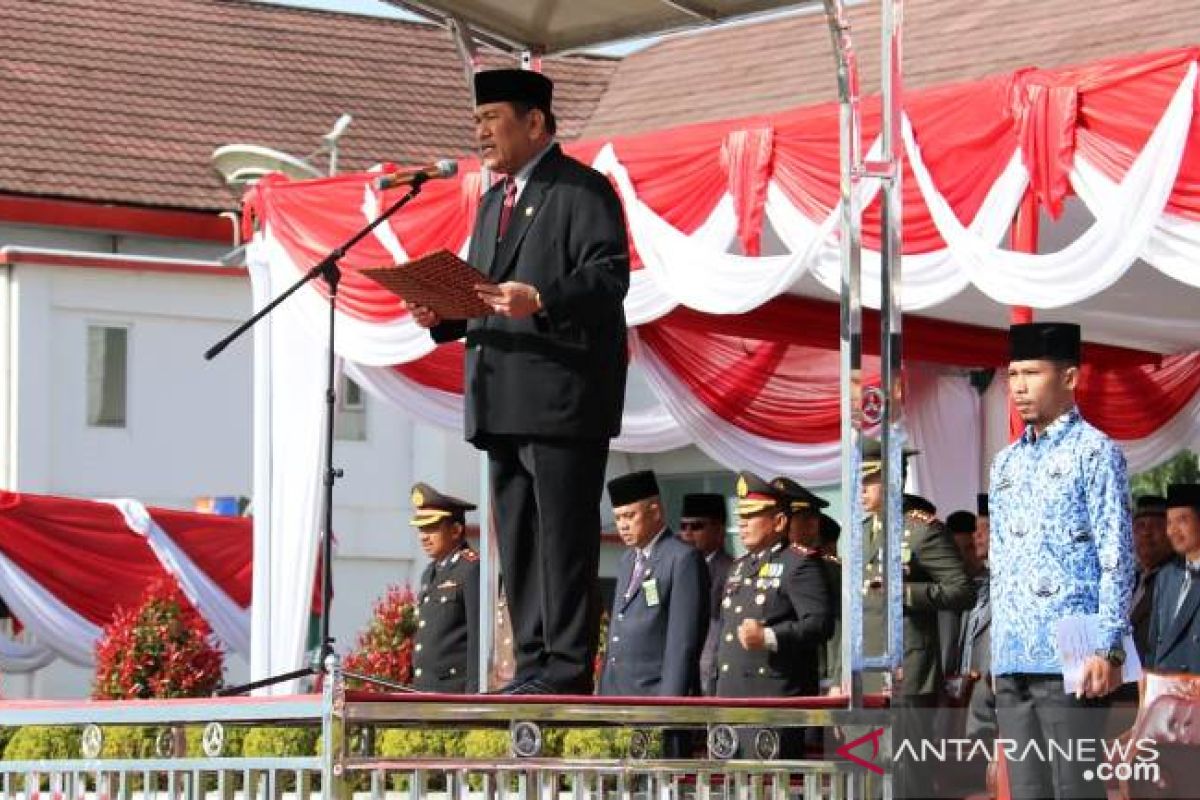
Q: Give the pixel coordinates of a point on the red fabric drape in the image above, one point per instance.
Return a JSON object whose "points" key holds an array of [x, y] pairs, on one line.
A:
{"points": [[442, 369], [222, 547], [1134, 402], [1046, 114], [80, 551], [747, 156], [967, 133], [783, 392]]}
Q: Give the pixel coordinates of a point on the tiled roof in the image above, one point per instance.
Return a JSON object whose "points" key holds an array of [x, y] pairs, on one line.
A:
{"points": [[124, 102], [767, 66]]}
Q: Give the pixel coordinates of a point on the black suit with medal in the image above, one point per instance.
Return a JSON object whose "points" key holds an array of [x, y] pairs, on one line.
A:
{"points": [[446, 644], [1174, 644], [543, 397], [784, 588]]}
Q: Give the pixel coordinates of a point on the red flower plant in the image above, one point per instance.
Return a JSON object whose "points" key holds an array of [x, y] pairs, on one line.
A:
{"points": [[162, 648], [385, 648]]}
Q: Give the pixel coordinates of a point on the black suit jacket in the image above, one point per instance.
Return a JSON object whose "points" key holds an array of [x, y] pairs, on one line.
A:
{"points": [[1141, 611], [654, 641], [446, 644], [1175, 638], [561, 372], [784, 588], [718, 571]]}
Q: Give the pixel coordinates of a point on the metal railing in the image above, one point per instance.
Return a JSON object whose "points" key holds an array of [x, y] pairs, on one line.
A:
{"points": [[345, 764]]}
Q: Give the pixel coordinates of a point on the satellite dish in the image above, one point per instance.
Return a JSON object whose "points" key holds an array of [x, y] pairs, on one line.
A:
{"points": [[243, 164]]}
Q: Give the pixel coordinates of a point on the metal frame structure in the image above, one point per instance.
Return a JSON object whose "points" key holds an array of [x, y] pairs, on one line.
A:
{"points": [[856, 398], [336, 768]]}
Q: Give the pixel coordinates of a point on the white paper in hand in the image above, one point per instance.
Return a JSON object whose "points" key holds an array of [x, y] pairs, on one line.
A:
{"points": [[1079, 638]]}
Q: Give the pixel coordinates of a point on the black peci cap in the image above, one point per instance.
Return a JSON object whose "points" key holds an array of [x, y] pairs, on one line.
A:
{"points": [[1052, 341], [514, 86], [635, 486]]}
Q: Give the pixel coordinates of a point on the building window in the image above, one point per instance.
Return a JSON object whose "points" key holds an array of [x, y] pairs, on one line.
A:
{"points": [[107, 375], [350, 424]]}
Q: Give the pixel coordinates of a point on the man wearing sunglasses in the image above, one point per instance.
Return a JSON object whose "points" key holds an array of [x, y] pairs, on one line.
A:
{"points": [[702, 524]]}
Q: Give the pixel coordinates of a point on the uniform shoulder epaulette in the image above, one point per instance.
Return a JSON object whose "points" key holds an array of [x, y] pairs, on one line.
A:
{"points": [[832, 559], [470, 555], [921, 516], [805, 551]]}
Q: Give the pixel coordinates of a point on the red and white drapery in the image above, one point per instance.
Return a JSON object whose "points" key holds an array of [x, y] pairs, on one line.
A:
{"points": [[67, 565], [724, 219]]}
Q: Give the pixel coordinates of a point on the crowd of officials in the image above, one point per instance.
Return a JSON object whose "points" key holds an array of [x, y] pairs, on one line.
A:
{"points": [[544, 379], [688, 618]]}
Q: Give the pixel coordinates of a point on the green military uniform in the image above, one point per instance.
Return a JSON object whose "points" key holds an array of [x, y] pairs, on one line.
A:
{"points": [[934, 579]]}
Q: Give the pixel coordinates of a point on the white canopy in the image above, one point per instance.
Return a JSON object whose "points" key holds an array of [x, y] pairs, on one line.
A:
{"points": [[552, 26]]}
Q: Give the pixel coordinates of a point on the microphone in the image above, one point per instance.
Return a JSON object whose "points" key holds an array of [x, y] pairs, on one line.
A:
{"points": [[410, 175]]}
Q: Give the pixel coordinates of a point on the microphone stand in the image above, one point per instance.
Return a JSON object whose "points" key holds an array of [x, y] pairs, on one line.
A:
{"points": [[329, 270]]}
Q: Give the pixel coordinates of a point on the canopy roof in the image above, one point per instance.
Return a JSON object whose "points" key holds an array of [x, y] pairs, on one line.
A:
{"points": [[552, 26]]}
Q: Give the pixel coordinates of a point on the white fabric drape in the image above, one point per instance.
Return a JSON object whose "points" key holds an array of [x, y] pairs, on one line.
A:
{"points": [[46, 617], [229, 621], [944, 422], [647, 430], [19, 657], [431, 406], [378, 343], [1174, 244], [289, 360]]}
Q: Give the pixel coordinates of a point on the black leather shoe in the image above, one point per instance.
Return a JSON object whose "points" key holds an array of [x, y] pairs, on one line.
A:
{"points": [[512, 687], [534, 686]]}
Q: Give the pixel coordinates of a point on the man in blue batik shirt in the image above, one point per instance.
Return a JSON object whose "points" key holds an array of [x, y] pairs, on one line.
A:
{"points": [[1061, 544]]}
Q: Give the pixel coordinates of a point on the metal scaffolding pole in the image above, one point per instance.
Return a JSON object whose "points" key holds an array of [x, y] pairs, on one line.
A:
{"points": [[862, 407]]}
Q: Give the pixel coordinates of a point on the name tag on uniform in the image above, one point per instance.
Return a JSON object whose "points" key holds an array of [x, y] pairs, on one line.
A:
{"points": [[447, 585], [650, 589]]}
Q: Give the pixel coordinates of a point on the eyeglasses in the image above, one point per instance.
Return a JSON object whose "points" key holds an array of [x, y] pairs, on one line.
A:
{"points": [[692, 525]]}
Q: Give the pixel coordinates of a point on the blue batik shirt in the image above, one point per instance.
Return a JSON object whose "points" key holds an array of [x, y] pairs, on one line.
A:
{"points": [[1062, 542]]}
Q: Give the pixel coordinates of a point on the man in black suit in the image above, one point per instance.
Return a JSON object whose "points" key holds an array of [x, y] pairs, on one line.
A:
{"points": [[961, 526], [831, 655], [659, 614], [1153, 550], [446, 644], [806, 519], [545, 372], [702, 523], [1175, 624]]}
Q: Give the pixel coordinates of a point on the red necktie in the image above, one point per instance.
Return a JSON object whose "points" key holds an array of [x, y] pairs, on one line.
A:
{"points": [[510, 200]]}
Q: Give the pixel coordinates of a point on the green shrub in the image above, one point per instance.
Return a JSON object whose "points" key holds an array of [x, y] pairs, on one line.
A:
{"points": [[486, 743], [412, 743], [38, 742], [124, 741], [280, 742]]}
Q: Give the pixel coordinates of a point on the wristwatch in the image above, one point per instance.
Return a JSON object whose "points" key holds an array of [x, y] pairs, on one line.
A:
{"points": [[1113, 655]]}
